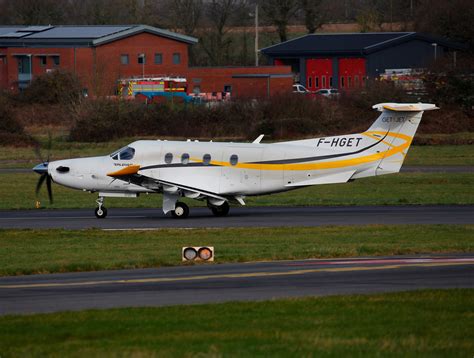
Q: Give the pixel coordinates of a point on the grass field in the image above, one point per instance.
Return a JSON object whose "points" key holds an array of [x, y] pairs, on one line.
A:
{"points": [[47, 251], [24, 157], [431, 323], [17, 192]]}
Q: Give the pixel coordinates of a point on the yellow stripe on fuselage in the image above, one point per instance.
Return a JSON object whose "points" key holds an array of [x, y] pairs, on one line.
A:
{"points": [[330, 164]]}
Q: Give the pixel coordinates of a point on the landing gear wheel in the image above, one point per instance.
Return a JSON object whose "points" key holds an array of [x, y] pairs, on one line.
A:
{"points": [[181, 211], [101, 212], [222, 210]]}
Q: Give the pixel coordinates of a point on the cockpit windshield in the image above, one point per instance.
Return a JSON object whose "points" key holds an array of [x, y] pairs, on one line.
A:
{"points": [[125, 153]]}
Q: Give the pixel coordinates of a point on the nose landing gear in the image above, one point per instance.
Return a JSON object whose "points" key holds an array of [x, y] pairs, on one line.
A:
{"points": [[101, 210]]}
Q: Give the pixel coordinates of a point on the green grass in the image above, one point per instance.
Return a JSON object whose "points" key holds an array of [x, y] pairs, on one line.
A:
{"points": [[17, 192], [25, 157], [47, 251], [427, 323], [431, 155]]}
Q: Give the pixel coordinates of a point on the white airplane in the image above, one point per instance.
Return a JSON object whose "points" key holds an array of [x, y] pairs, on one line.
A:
{"points": [[223, 173]]}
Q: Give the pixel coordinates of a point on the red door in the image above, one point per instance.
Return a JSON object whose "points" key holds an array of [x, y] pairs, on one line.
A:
{"points": [[351, 73], [318, 73]]}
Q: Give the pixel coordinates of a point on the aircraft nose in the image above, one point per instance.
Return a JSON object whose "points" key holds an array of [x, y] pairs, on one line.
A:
{"points": [[41, 168]]}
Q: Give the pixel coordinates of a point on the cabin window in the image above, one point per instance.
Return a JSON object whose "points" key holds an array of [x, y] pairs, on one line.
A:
{"points": [[234, 159], [141, 58], [43, 61], [185, 158], [206, 159], [56, 60], [316, 82], [168, 158]]}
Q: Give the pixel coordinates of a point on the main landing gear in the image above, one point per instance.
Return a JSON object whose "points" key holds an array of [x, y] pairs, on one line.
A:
{"points": [[101, 210], [181, 211], [221, 210]]}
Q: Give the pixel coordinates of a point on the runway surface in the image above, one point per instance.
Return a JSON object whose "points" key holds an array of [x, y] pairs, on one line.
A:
{"points": [[121, 219], [211, 283]]}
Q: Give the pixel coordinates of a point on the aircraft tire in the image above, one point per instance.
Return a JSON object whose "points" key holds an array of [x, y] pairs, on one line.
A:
{"points": [[101, 213], [220, 211], [181, 211]]}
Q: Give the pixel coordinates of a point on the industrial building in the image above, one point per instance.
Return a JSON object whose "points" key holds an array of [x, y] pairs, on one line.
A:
{"points": [[345, 61], [102, 55]]}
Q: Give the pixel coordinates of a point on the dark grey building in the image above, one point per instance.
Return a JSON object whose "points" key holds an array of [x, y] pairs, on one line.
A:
{"points": [[347, 60]]}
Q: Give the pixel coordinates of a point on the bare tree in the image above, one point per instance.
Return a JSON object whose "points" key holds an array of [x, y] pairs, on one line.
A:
{"points": [[279, 13], [184, 15], [215, 41], [369, 16], [314, 14], [33, 12], [450, 19]]}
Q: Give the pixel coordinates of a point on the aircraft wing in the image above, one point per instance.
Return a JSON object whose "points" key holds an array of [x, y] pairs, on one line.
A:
{"points": [[131, 174], [335, 178]]}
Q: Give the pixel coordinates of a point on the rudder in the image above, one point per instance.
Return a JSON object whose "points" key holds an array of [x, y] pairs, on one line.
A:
{"points": [[398, 124]]}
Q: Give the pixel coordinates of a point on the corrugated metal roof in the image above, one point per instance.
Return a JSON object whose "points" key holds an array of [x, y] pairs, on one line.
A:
{"points": [[79, 35], [351, 42], [347, 43], [78, 32]]}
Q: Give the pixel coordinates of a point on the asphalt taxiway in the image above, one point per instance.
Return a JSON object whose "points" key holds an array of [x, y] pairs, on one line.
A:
{"points": [[122, 219], [212, 283]]}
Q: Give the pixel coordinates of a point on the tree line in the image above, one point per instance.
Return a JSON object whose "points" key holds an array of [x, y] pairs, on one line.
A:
{"points": [[225, 27]]}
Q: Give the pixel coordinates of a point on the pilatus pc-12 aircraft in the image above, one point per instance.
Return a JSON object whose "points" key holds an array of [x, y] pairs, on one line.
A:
{"points": [[223, 173]]}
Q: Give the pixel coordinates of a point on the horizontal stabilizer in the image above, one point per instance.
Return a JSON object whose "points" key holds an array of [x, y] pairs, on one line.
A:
{"points": [[335, 178], [404, 107]]}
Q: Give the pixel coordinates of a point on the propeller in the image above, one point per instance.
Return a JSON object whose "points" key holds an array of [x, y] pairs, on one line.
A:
{"points": [[42, 170]]}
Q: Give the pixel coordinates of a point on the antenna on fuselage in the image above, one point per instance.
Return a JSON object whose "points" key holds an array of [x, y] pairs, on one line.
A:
{"points": [[259, 138]]}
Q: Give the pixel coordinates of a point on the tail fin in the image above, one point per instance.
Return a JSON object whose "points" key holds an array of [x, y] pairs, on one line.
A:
{"points": [[398, 124]]}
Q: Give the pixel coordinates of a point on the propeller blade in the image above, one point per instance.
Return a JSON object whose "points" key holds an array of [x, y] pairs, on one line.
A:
{"points": [[40, 182], [37, 149], [50, 141], [50, 190]]}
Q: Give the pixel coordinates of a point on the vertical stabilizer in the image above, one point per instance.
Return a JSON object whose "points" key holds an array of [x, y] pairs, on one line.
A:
{"points": [[398, 124]]}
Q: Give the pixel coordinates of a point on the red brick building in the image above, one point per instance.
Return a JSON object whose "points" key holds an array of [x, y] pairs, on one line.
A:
{"points": [[101, 55]]}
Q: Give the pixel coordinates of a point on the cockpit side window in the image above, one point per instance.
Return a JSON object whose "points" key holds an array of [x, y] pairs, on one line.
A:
{"points": [[126, 153]]}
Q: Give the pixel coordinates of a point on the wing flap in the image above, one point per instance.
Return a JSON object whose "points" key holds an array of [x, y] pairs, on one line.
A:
{"points": [[336, 178]]}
